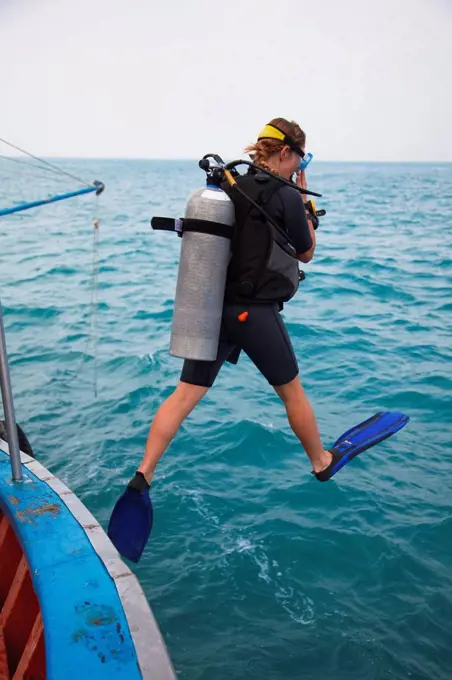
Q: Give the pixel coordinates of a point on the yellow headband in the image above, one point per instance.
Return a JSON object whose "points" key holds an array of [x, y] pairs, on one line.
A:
{"points": [[271, 132]]}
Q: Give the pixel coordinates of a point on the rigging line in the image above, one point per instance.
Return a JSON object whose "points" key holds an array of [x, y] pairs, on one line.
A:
{"points": [[93, 311], [41, 160], [30, 165], [96, 304], [25, 173]]}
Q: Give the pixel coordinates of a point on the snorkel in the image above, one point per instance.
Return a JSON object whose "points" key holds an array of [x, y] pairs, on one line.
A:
{"points": [[305, 161]]}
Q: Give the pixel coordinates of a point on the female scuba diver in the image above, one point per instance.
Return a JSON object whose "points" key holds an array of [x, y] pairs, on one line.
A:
{"points": [[253, 323], [272, 232]]}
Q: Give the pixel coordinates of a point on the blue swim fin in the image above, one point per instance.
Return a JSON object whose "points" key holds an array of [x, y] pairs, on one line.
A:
{"points": [[361, 437], [131, 520]]}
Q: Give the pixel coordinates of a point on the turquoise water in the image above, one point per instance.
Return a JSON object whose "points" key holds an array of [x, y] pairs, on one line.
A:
{"points": [[255, 569]]}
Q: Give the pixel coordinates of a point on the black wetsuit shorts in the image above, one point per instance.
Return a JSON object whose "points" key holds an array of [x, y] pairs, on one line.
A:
{"points": [[262, 336]]}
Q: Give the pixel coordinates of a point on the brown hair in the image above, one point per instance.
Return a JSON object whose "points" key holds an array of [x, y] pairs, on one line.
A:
{"points": [[264, 148]]}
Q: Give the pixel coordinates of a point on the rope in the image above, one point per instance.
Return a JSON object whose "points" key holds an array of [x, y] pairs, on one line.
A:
{"points": [[26, 173], [21, 162], [94, 304], [93, 311], [95, 298], [50, 165]]}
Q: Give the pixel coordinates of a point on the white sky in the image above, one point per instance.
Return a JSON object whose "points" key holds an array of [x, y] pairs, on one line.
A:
{"points": [[179, 78]]}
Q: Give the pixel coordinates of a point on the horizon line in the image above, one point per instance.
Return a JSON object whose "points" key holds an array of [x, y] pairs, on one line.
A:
{"points": [[196, 160]]}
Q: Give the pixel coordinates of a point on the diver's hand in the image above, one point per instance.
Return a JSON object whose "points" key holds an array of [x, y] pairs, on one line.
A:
{"points": [[301, 179]]}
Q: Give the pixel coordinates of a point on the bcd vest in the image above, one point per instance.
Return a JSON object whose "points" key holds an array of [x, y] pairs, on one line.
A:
{"points": [[263, 266]]}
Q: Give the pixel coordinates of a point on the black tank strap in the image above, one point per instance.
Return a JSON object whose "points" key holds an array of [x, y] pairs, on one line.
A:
{"points": [[207, 227], [185, 224]]}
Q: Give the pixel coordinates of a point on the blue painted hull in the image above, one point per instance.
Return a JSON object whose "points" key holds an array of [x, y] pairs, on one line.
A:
{"points": [[78, 576]]}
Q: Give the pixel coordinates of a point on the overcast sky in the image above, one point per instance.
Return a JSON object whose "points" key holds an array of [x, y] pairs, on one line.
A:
{"points": [[179, 78]]}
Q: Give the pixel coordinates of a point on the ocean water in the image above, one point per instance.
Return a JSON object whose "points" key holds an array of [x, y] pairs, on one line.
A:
{"points": [[254, 569]]}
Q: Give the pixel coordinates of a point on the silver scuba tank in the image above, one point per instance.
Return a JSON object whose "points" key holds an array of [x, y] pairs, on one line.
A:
{"points": [[204, 258]]}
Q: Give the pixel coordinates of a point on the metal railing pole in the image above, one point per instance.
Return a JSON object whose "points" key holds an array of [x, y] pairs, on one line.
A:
{"points": [[8, 405]]}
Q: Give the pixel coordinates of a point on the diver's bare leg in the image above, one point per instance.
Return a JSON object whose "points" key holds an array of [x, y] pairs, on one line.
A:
{"points": [[303, 422], [167, 422]]}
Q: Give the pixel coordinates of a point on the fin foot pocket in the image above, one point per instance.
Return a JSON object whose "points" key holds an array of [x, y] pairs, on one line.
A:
{"points": [[360, 438], [131, 520]]}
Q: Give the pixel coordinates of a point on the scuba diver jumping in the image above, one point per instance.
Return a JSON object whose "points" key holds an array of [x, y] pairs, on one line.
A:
{"points": [[263, 335], [244, 236]]}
